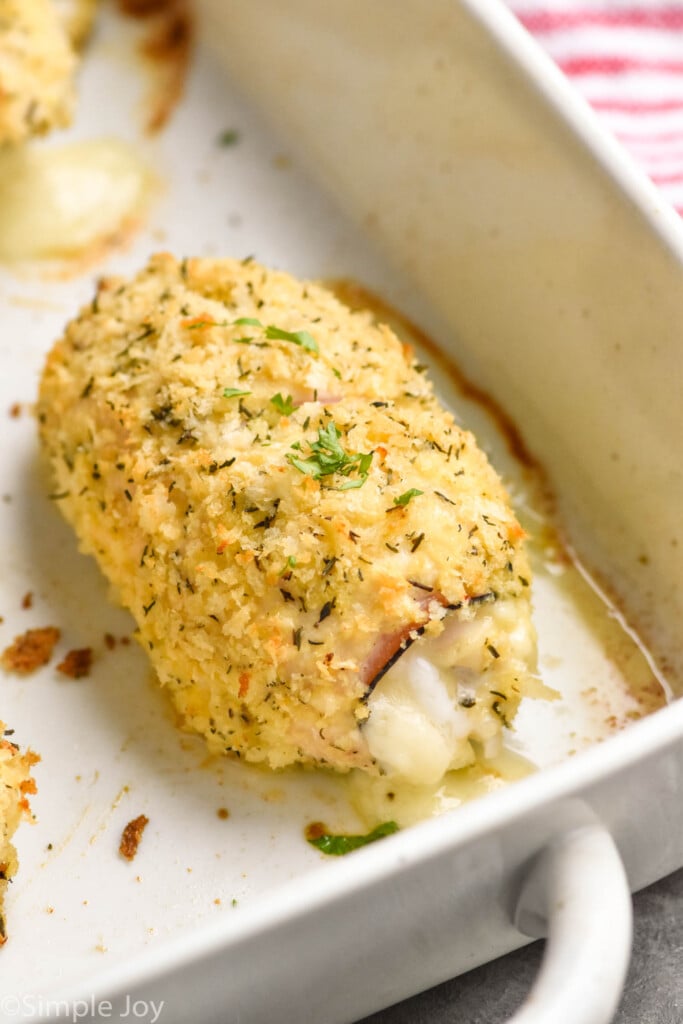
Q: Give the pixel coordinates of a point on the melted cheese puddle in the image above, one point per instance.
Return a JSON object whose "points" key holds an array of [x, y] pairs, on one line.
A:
{"points": [[385, 799], [61, 201]]}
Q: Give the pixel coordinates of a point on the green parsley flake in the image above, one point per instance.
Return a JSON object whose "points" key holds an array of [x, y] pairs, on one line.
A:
{"points": [[248, 321], [302, 338], [328, 457], [229, 137], [234, 392], [285, 406], [338, 845], [407, 496], [199, 325]]}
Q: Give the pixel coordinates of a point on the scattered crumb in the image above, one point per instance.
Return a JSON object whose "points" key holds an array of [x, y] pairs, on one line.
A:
{"points": [[223, 813], [85, 903], [233, 902], [131, 836], [77, 663], [15, 410], [49, 910], [27, 600], [138, 878], [125, 640], [109, 641], [101, 948], [217, 902], [31, 650]]}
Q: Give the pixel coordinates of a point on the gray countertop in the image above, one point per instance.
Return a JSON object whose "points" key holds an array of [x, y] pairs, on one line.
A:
{"points": [[490, 994]]}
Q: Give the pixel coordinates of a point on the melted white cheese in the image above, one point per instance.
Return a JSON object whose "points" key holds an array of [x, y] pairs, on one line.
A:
{"points": [[442, 695], [60, 201]]}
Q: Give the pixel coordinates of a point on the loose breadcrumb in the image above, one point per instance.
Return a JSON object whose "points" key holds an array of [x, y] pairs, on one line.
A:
{"points": [[77, 663], [31, 650], [131, 836]]}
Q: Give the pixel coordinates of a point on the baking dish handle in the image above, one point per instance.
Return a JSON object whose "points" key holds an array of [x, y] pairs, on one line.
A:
{"points": [[576, 894]]}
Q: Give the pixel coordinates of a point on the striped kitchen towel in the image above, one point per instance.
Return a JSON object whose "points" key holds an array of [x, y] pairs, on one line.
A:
{"points": [[627, 60]]}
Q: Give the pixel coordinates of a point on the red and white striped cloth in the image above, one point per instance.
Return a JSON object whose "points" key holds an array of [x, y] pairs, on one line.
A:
{"points": [[627, 60]]}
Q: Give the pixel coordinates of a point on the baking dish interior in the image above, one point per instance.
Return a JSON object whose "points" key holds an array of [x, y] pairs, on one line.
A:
{"points": [[508, 241]]}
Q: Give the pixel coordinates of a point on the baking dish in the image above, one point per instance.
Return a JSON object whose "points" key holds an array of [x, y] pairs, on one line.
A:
{"points": [[517, 231]]}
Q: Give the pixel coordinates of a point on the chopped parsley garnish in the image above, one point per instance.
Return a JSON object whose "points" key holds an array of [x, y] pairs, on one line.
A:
{"points": [[285, 406], [247, 321], [337, 845], [234, 392], [199, 325], [328, 457], [302, 338], [407, 496], [229, 137]]}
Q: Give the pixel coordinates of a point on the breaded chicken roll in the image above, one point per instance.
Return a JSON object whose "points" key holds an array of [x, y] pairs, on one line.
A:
{"points": [[323, 566], [15, 786]]}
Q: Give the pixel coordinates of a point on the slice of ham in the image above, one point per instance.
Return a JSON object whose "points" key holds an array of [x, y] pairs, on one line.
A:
{"points": [[389, 647]]}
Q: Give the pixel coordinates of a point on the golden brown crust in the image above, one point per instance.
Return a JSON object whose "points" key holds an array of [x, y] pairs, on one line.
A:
{"points": [[260, 591]]}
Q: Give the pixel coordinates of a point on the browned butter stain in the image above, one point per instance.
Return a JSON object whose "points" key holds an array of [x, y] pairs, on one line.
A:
{"points": [[166, 47]]}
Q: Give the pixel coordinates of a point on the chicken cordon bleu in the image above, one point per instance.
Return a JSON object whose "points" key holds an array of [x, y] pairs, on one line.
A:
{"points": [[323, 566]]}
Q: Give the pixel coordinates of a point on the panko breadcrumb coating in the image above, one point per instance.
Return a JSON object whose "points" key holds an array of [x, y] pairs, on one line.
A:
{"points": [[16, 785], [275, 493]]}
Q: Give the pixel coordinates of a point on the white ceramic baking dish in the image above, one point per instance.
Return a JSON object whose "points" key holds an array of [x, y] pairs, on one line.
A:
{"points": [[548, 266]]}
